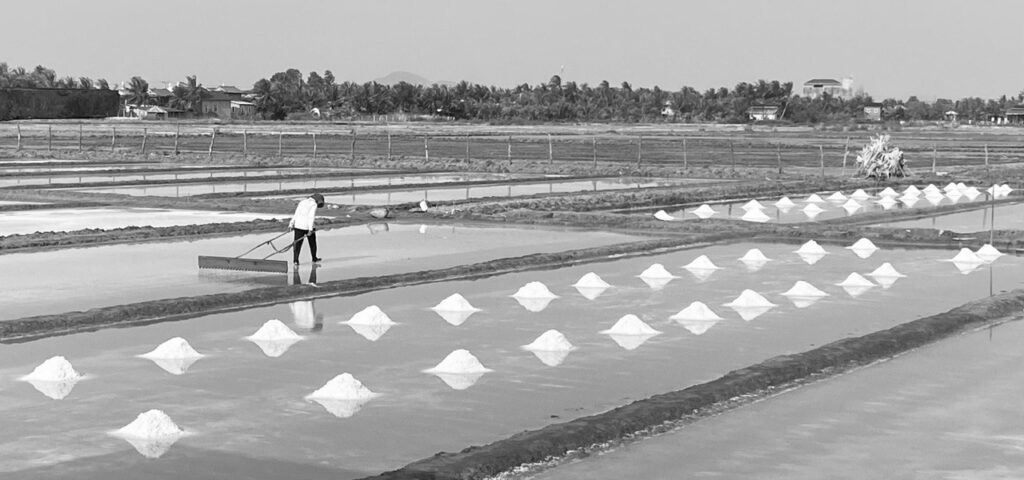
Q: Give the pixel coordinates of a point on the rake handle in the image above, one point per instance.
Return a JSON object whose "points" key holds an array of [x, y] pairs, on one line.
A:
{"points": [[268, 242]]}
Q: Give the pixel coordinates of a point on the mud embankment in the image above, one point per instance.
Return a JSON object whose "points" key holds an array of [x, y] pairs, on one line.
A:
{"points": [[661, 412]]}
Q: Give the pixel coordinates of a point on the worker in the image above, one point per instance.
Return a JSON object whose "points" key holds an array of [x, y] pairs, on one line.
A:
{"points": [[302, 225]]}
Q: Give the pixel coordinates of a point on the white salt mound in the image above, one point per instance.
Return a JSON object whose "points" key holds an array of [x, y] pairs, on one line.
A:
{"points": [[754, 255], [837, 197], [966, 256], [591, 280], [811, 247], [755, 215], [888, 192], [54, 369], [152, 424], [534, 290], [950, 187], [972, 193], [931, 188], [750, 298], [909, 201], [343, 387], [804, 289], [753, 204], [663, 215], [274, 330], [630, 325], [851, 205], [1005, 189], [886, 202], [459, 362], [962, 187], [696, 311], [175, 348], [886, 270], [550, 341], [911, 191], [863, 244], [656, 270], [954, 194], [704, 211], [701, 263], [813, 209], [784, 202], [988, 253], [860, 194], [813, 198], [856, 280], [371, 315], [455, 303]]}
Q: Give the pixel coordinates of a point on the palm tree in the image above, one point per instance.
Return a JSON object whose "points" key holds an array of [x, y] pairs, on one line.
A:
{"points": [[189, 95], [138, 91]]}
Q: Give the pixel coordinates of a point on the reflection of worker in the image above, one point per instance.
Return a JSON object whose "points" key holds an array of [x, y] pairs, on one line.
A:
{"points": [[302, 225], [296, 280], [304, 313]]}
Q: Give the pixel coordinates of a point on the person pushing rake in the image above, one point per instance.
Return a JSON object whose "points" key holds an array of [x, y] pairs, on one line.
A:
{"points": [[302, 224]]}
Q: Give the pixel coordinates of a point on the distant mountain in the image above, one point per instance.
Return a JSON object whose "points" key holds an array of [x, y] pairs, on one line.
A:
{"points": [[394, 78]]}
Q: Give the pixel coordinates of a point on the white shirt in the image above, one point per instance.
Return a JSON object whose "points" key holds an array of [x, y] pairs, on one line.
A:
{"points": [[304, 215]]}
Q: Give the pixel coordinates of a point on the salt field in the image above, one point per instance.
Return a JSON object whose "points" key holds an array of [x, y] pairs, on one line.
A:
{"points": [[185, 173], [226, 399], [944, 411], [23, 222], [111, 275], [1000, 216]]}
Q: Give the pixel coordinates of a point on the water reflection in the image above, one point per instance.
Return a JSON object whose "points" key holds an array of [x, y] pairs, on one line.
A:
{"points": [[304, 315], [55, 389]]}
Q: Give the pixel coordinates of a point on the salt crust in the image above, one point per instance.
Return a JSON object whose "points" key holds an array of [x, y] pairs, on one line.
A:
{"points": [[811, 247], [591, 280], [750, 298], [455, 303], [371, 315], [274, 330], [550, 341], [343, 387], [696, 311], [630, 325], [459, 362], [534, 290], [804, 289], [175, 348]]}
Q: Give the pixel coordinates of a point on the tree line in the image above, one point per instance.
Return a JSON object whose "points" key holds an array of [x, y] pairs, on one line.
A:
{"points": [[289, 94]]}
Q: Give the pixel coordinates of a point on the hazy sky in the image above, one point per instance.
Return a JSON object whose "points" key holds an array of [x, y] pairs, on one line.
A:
{"points": [[891, 48]]}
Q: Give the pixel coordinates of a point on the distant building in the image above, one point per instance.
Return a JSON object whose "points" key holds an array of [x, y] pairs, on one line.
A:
{"points": [[1015, 115], [229, 89], [873, 112], [158, 113], [763, 112], [160, 96], [951, 115], [667, 110], [228, 106], [817, 87]]}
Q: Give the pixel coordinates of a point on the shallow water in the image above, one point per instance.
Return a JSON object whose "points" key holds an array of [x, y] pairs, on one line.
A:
{"points": [[80, 278], [1004, 217], [242, 404], [23, 222], [949, 411], [133, 176]]}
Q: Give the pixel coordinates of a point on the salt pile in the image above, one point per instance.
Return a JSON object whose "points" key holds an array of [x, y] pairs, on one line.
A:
{"points": [[174, 356], [343, 387], [663, 215], [911, 191], [54, 378], [954, 196], [810, 258], [863, 248], [750, 305], [812, 248], [886, 275], [274, 338], [930, 189], [701, 263], [704, 211], [950, 187], [855, 284], [151, 433], [784, 203], [962, 187], [887, 203], [934, 200], [371, 315], [909, 201], [630, 332], [988, 253], [656, 270], [455, 309], [534, 296], [860, 194], [851, 206], [754, 260], [971, 193], [755, 215], [697, 327], [657, 283], [371, 332], [888, 192], [837, 197], [753, 204], [966, 256], [812, 210], [804, 289], [459, 370], [696, 311], [551, 348], [1005, 189], [813, 198], [591, 280]]}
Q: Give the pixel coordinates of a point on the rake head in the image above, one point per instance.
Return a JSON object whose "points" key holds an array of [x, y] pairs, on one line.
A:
{"points": [[243, 264]]}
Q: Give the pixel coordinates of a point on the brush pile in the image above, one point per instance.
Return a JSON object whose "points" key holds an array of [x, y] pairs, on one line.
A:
{"points": [[880, 160]]}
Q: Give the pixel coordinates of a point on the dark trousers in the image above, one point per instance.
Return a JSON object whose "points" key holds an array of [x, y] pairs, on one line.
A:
{"points": [[299, 235]]}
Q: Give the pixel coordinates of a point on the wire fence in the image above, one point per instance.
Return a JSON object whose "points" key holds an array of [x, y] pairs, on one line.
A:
{"points": [[341, 145]]}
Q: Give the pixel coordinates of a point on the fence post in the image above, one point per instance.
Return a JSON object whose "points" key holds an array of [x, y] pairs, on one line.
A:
{"points": [[593, 150], [19, 135], [684, 154], [426, 150], [551, 150], [352, 147], [280, 142], [846, 152], [988, 172], [177, 133], [639, 149], [934, 156], [732, 154], [389, 142], [467, 148], [79, 137], [49, 137], [245, 144], [778, 156], [113, 138], [821, 157], [510, 149], [213, 138], [314, 147], [145, 136]]}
